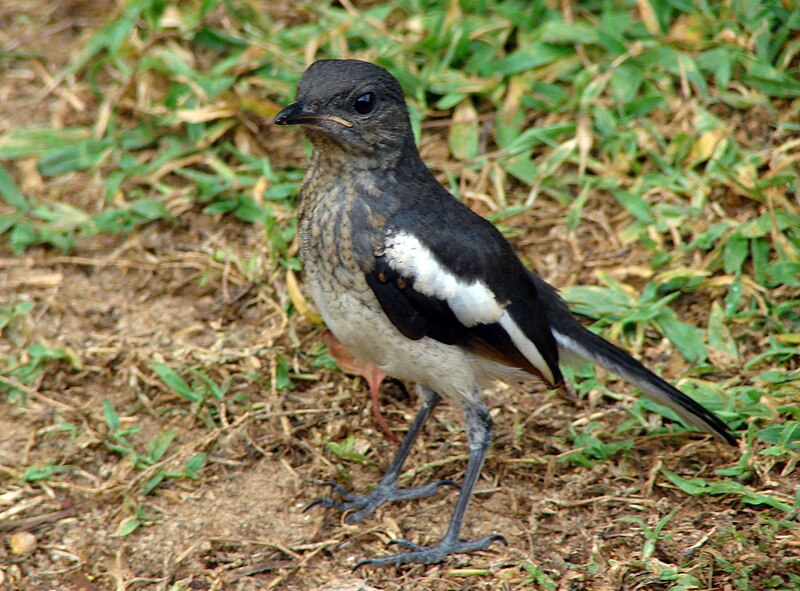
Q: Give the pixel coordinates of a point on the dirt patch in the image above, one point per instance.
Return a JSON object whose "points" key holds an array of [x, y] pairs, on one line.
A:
{"points": [[36, 40]]}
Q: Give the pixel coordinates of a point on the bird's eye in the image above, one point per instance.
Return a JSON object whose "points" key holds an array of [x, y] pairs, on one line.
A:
{"points": [[365, 103]]}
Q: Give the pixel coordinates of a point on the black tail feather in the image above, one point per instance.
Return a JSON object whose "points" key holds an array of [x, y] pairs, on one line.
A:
{"points": [[574, 340]]}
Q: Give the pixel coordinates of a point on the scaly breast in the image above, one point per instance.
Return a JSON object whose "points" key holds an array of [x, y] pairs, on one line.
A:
{"points": [[334, 273], [339, 231]]}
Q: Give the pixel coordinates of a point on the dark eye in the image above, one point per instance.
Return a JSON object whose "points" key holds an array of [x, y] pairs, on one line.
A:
{"points": [[365, 103]]}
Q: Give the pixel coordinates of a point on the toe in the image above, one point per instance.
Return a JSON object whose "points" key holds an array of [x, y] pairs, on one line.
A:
{"points": [[406, 544], [317, 501], [431, 554]]}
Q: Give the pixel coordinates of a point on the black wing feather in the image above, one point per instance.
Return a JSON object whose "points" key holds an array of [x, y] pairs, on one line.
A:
{"points": [[417, 315]]}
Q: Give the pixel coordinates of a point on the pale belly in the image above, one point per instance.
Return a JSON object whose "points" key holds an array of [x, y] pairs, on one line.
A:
{"points": [[368, 334]]}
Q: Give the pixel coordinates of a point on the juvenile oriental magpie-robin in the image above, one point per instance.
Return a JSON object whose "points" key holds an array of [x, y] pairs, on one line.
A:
{"points": [[410, 279]]}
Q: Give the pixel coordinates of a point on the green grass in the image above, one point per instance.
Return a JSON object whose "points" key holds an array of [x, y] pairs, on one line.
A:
{"points": [[680, 116]]}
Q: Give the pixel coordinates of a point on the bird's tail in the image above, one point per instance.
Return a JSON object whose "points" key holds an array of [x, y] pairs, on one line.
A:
{"points": [[574, 340]]}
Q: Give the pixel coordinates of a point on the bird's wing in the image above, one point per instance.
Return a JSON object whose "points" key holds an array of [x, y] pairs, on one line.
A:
{"points": [[465, 288]]}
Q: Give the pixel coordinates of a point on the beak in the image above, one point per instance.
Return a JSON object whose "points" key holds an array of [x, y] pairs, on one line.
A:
{"points": [[293, 114], [299, 114]]}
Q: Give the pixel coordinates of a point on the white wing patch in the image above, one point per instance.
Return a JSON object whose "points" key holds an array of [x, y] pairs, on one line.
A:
{"points": [[526, 346], [472, 303]]}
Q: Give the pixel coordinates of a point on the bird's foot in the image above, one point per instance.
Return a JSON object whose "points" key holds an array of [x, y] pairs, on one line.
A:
{"points": [[366, 504], [431, 554]]}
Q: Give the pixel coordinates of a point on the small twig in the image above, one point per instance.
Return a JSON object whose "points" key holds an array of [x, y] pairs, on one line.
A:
{"points": [[430, 465], [602, 499], [30, 523], [34, 394], [291, 571]]}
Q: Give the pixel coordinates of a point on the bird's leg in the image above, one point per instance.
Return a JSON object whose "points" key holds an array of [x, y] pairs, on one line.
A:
{"points": [[374, 379], [479, 433], [387, 489]]}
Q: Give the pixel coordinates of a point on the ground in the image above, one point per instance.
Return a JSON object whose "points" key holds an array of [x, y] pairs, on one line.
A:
{"points": [[117, 305]]}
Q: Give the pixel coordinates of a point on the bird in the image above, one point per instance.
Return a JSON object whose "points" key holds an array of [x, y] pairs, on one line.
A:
{"points": [[410, 279]]}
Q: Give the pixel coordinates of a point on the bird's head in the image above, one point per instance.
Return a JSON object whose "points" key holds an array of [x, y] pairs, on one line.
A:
{"points": [[353, 107]]}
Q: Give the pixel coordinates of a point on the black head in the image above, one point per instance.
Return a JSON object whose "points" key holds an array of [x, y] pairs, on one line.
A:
{"points": [[352, 106]]}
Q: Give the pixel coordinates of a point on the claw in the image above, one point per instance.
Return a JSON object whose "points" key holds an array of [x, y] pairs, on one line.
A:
{"points": [[448, 482], [333, 503], [336, 487], [360, 563], [314, 503]]}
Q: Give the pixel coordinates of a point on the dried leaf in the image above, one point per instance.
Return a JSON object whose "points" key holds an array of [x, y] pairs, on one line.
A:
{"points": [[688, 30], [203, 114], [649, 17], [464, 132], [299, 299], [706, 145], [511, 116], [584, 139]]}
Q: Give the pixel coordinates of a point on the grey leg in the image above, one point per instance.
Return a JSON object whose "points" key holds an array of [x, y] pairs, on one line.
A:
{"points": [[387, 489], [479, 433]]}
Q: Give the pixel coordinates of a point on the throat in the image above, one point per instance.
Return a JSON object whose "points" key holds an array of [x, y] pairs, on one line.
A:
{"points": [[337, 156]]}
